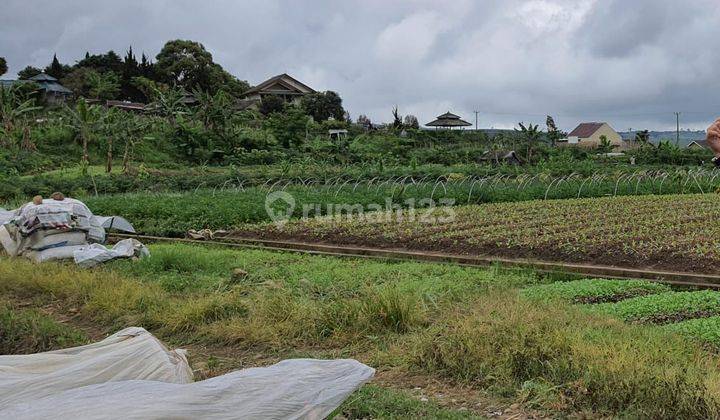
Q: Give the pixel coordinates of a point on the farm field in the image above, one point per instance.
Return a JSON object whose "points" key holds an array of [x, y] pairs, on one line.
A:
{"points": [[174, 213], [676, 232], [447, 341]]}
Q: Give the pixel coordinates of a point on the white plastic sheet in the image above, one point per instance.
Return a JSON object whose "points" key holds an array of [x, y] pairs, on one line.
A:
{"points": [[291, 389], [94, 254], [132, 353]]}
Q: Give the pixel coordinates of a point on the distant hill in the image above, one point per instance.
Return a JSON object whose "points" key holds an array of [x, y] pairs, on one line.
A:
{"points": [[686, 136]]}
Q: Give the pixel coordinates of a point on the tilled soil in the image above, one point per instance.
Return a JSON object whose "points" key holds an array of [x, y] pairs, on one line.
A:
{"points": [[606, 256]]}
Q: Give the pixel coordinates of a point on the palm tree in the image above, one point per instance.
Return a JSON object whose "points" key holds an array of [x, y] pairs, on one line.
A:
{"points": [[85, 120]]}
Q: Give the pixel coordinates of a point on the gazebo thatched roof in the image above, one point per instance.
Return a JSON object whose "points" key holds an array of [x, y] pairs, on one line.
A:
{"points": [[449, 120]]}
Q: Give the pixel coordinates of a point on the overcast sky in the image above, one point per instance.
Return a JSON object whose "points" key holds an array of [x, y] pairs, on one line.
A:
{"points": [[629, 62]]}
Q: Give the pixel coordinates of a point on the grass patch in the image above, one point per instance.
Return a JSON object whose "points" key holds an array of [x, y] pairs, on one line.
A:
{"points": [[562, 358], [372, 402], [24, 331], [665, 307], [285, 298], [457, 325], [593, 290]]}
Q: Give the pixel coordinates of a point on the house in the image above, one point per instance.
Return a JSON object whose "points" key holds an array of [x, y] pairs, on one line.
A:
{"points": [[588, 135], [698, 145], [448, 120], [282, 85], [53, 92]]}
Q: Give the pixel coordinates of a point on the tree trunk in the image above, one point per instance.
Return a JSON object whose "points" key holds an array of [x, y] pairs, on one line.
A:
{"points": [[85, 158], [27, 143], [126, 157], [108, 166]]}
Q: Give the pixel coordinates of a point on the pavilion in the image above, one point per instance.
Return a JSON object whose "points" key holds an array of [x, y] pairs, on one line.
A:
{"points": [[448, 120]]}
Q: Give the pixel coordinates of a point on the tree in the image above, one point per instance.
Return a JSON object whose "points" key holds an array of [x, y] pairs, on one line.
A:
{"points": [[130, 69], [131, 130], [271, 104], [397, 119], [146, 67], [78, 81], [288, 127], [102, 63], [530, 135], [642, 137], [28, 72], [411, 121], [85, 120], [111, 126], [183, 62], [103, 86], [57, 70], [364, 121], [605, 145], [552, 131], [188, 64], [322, 106], [15, 107], [168, 103], [3, 66]]}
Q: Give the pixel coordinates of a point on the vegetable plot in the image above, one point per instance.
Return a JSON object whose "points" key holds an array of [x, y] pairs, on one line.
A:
{"points": [[675, 232], [594, 290]]}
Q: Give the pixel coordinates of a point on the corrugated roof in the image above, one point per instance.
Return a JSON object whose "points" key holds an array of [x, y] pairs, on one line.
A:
{"points": [[585, 130], [42, 77], [48, 83], [55, 87]]}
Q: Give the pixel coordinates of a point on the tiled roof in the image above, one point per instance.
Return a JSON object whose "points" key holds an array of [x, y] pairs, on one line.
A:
{"points": [[585, 130]]}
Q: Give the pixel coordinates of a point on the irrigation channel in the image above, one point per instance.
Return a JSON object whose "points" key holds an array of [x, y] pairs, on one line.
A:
{"points": [[685, 279]]}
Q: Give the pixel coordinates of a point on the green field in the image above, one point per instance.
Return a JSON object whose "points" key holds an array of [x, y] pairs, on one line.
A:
{"points": [[447, 341]]}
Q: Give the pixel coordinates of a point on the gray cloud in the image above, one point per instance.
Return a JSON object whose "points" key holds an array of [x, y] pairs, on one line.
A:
{"points": [[631, 63]]}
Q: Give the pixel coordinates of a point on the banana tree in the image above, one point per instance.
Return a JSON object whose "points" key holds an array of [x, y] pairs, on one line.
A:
{"points": [[14, 110], [86, 120]]}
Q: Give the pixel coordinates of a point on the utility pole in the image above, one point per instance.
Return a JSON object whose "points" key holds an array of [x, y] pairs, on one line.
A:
{"points": [[677, 129], [476, 120]]}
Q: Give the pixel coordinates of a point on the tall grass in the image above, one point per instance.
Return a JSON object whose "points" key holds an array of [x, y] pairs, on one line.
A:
{"points": [[564, 359]]}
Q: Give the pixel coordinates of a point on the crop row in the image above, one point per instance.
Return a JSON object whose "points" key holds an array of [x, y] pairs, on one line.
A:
{"points": [[593, 290], [676, 232], [694, 314]]}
